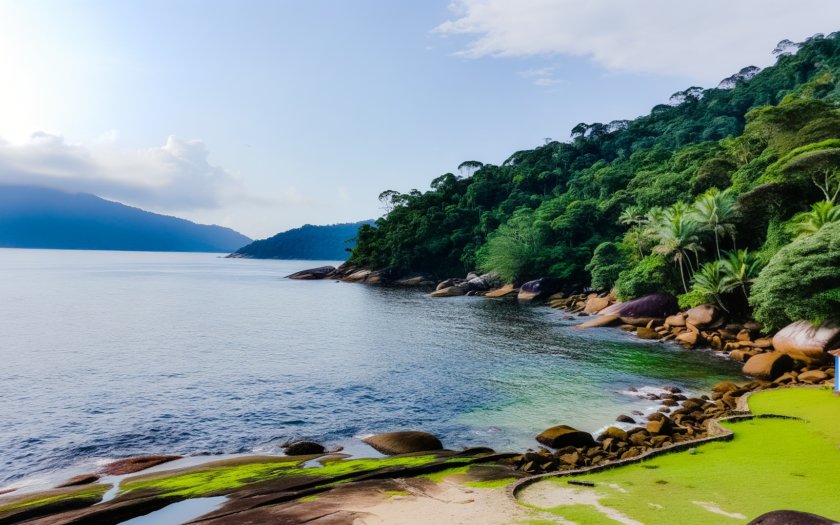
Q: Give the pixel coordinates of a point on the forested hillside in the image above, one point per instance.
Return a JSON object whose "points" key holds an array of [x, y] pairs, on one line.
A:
{"points": [[331, 242], [697, 198]]}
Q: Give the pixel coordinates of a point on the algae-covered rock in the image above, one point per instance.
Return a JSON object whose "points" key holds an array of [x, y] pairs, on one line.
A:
{"points": [[405, 442]]}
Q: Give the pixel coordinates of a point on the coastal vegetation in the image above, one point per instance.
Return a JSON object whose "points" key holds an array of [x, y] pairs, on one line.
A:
{"points": [[711, 197], [331, 242]]}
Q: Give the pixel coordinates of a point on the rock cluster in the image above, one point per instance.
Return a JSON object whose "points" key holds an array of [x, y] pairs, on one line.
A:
{"points": [[680, 420]]}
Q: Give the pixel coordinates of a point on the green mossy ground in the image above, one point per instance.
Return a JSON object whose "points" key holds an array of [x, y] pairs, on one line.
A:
{"points": [[41, 499], [770, 464], [217, 480]]}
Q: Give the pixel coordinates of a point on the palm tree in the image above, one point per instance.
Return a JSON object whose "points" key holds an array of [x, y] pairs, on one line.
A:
{"points": [[714, 210], [633, 217], [809, 222], [712, 280], [740, 267], [676, 236]]}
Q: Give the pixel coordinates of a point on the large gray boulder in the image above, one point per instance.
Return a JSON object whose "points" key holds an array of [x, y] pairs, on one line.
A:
{"points": [[538, 289]]}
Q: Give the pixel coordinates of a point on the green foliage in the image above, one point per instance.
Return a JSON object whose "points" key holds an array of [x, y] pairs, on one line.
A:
{"points": [[693, 298], [607, 263], [711, 281], [651, 275], [770, 140], [809, 223], [801, 281]]}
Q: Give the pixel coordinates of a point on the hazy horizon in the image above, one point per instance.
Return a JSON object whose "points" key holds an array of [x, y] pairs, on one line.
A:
{"points": [[266, 116]]}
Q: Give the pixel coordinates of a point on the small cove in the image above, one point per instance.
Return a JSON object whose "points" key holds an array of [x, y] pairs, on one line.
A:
{"points": [[111, 354]]}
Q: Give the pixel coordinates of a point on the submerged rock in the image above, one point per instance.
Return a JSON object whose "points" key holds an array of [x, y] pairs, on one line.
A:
{"points": [[81, 479], [405, 442], [321, 272], [303, 448], [807, 343], [563, 435], [658, 305], [130, 465]]}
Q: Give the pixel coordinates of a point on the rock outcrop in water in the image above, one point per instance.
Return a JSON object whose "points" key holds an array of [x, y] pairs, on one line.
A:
{"points": [[406, 442]]}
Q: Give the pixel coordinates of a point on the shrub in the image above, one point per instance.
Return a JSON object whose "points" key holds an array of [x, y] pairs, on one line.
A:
{"points": [[608, 261], [802, 281], [653, 274]]}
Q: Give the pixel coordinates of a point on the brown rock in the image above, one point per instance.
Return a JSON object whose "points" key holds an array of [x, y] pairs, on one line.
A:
{"points": [[675, 320], [644, 332], [812, 376], [640, 321], [562, 435], [603, 320], [807, 343], [405, 442], [595, 304], [451, 291], [702, 315], [660, 425], [769, 365], [131, 465], [688, 339], [744, 335], [614, 433], [505, 291], [81, 479]]}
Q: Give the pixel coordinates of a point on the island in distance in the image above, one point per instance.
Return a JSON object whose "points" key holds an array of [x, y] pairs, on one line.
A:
{"points": [[326, 243], [36, 217]]}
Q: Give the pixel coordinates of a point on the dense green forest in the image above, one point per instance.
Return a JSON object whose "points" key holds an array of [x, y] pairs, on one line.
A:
{"points": [[328, 243], [712, 196]]}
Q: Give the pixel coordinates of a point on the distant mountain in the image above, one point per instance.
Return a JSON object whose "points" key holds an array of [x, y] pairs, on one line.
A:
{"points": [[307, 242], [32, 217]]}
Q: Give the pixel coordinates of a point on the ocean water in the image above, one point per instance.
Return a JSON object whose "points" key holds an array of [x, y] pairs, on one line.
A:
{"points": [[111, 354]]}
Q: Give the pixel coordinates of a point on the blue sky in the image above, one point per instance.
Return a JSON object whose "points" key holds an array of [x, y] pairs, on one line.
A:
{"points": [[264, 115]]}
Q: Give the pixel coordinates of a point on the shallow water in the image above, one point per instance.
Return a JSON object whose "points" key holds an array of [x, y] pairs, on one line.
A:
{"points": [[110, 354]]}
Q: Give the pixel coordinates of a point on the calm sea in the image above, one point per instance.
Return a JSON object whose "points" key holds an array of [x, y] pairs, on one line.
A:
{"points": [[111, 354]]}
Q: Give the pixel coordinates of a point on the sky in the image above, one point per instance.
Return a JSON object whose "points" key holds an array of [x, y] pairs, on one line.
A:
{"points": [[266, 115]]}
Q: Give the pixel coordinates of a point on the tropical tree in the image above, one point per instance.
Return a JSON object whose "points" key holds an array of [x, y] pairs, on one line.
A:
{"points": [[676, 237], [713, 281], [633, 217], [740, 267], [714, 210], [809, 222]]}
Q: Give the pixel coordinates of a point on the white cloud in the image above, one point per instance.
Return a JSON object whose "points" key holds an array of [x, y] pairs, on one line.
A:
{"points": [[703, 40], [174, 177]]}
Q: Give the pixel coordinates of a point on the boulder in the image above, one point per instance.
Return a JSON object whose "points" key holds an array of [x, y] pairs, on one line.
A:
{"points": [[320, 272], [644, 332], [702, 315], [812, 376], [659, 423], [791, 517], [658, 305], [81, 479], [405, 442], [687, 339], [452, 291], [623, 418], [507, 290], [358, 276], [538, 289], [492, 279], [477, 284], [136, 464], [603, 320], [562, 435], [613, 432], [445, 284], [596, 304], [677, 320], [418, 280], [769, 365], [807, 343], [303, 448], [641, 321]]}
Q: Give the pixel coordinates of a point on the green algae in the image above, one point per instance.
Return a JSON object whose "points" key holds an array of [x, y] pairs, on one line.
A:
{"points": [[37, 500], [440, 475], [790, 464], [397, 493], [217, 480], [490, 484]]}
